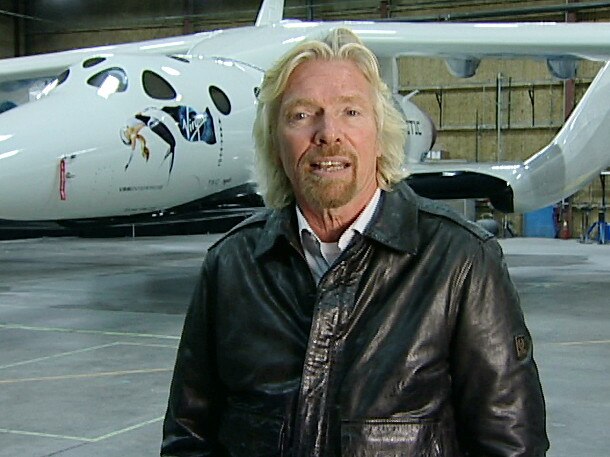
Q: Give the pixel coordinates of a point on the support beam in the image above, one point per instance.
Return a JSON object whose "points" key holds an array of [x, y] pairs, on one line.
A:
{"points": [[569, 86], [188, 11], [310, 10], [384, 9], [19, 34]]}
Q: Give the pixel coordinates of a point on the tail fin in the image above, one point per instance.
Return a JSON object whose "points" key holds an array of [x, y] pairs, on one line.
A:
{"points": [[271, 11], [576, 156], [579, 152]]}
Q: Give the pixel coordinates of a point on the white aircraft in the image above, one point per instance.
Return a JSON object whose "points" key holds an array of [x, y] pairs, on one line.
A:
{"points": [[145, 127]]}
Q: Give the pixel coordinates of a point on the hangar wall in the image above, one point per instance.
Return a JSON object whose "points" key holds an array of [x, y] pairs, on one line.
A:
{"points": [[116, 21], [509, 110], [7, 35]]}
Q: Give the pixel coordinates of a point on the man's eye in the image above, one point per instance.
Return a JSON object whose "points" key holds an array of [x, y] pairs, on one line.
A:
{"points": [[298, 116], [353, 112]]}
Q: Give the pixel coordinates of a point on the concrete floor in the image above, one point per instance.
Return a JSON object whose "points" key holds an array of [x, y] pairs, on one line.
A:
{"points": [[89, 330]]}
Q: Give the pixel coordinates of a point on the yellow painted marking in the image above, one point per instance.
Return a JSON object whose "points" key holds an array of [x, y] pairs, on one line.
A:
{"points": [[148, 345], [578, 343], [89, 332], [92, 348], [2, 305], [46, 435], [62, 354], [128, 429], [80, 438], [85, 375]]}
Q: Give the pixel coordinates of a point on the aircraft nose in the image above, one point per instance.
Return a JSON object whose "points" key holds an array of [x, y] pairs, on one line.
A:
{"points": [[28, 179]]}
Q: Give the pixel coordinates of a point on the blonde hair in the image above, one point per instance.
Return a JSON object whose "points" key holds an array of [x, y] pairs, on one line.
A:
{"points": [[341, 44]]}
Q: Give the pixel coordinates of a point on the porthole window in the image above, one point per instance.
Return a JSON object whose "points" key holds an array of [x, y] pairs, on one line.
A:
{"points": [[157, 87], [110, 80], [220, 99], [93, 62]]}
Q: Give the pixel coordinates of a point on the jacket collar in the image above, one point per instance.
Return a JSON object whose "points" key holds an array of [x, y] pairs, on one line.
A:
{"points": [[393, 225], [281, 223]]}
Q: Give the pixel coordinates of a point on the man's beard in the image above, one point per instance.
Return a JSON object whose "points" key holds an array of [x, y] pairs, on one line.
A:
{"points": [[328, 192]]}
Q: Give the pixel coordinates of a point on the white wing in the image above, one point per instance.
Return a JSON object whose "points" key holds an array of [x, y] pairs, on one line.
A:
{"points": [[51, 64]]}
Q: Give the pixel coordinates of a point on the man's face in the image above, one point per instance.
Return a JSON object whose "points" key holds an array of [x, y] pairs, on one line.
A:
{"points": [[328, 135]]}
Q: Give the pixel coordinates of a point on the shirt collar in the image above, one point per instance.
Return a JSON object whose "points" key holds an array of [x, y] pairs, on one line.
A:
{"points": [[358, 226], [394, 226]]}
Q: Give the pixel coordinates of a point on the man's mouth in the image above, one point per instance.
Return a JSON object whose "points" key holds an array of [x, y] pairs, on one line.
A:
{"points": [[330, 166]]}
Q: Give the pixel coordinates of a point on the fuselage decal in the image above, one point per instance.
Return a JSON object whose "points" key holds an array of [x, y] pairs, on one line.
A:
{"points": [[193, 126]]}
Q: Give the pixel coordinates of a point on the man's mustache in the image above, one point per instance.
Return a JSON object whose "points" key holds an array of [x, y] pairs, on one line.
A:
{"points": [[333, 150]]}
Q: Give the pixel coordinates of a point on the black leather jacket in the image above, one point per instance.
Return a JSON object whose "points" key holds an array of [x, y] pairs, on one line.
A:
{"points": [[413, 344]]}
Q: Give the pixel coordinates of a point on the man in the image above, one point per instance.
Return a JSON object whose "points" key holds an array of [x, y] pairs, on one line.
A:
{"points": [[353, 318]]}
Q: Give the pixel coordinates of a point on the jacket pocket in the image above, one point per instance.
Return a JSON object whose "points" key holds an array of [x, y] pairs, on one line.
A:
{"points": [[391, 438], [246, 433]]}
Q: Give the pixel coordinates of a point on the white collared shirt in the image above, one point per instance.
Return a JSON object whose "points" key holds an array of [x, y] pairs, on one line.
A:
{"points": [[320, 255]]}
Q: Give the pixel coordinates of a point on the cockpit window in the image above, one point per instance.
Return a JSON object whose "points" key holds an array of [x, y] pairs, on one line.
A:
{"points": [[157, 87], [109, 81], [92, 62], [50, 87], [7, 105], [220, 99], [63, 76]]}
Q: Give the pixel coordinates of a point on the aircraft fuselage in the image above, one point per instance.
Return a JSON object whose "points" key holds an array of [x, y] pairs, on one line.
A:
{"points": [[127, 135]]}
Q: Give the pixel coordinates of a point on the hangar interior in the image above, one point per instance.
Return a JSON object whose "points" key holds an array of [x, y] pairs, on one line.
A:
{"points": [[507, 111], [90, 327]]}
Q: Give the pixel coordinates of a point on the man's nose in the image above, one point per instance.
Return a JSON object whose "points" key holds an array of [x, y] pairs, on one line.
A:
{"points": [[328, 131]]}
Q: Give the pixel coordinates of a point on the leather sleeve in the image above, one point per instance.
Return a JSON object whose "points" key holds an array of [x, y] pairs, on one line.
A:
{"points": [[498, 399], [190, 425]]}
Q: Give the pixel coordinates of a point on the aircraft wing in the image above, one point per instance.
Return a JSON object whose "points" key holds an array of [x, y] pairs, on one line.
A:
{"points": [[462, 45], [51, 64], [577, 40], [453, 41]]}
